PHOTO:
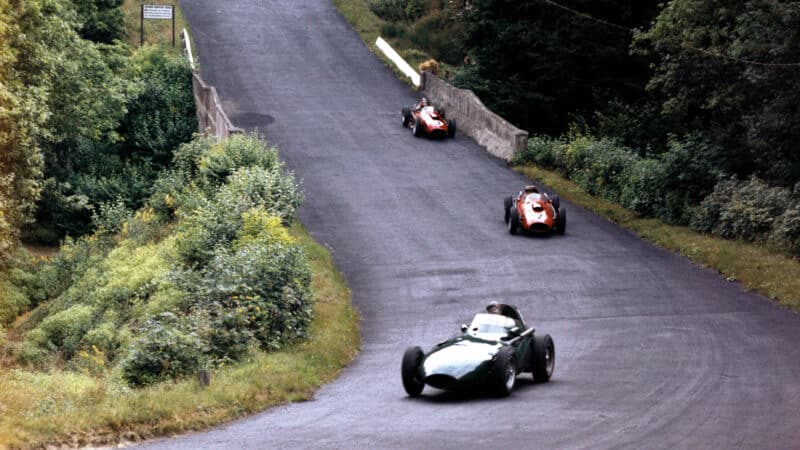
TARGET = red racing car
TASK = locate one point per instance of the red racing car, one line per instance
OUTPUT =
(425, 119)
(535, 212)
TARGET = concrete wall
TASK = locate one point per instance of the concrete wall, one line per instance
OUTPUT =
(500, 138)
(210, 116)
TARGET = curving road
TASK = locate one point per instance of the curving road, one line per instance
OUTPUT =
(652, 351)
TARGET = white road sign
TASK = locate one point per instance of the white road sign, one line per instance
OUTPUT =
(157, 11)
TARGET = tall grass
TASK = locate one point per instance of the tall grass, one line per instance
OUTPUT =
(770, 273)
(76, 409)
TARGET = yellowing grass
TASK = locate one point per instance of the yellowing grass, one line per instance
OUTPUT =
(76, 409)
(770, 273)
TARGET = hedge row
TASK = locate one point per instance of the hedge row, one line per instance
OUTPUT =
(681, 185)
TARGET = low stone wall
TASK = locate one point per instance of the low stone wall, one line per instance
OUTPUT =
(210, 116)
(501, 138)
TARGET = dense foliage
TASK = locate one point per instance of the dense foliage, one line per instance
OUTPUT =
(720, 71)
(204, 272)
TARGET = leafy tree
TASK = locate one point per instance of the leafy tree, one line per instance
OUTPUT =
(728, 69)
(101, 20)
(161, 112)
(22, 115)
(539, 65)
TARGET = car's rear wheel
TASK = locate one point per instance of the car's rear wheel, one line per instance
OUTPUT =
(513, 221)
(406, 116)
(507, 202)
(504, 371)
(412, 379)
(562, 221)
(544, 358)
(418, 129)
(451, 128)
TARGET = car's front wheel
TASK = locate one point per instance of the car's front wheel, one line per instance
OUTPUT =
(412, 378)
(513, 221)
(562, 221)
(418, 129)
(544, 358)
(507, 202)
(504, 371)
(451, 128)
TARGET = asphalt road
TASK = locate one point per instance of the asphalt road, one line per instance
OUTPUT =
(652, 352)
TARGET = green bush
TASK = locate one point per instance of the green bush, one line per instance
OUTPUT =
(162, 350)
(221, 160)
(786, 230)
(12, 300)
(217, 222)
(109, 217)
(266, 286)
(749, 210)
(390, 10)
(33, 350)
(64, 330)
(391, 30)
(439, 36)
(103, 337)
(161, 114)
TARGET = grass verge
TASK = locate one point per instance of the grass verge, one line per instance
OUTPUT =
(772, 274)
(78, 410)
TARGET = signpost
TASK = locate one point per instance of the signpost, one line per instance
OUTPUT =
(160, 12)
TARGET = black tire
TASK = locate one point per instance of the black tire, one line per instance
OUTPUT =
(451, 128)
(556, 202)
(544, 358)
(513, 221)
(441, 112)
(504, 372)
(507, 202)
(406, 116)
(562, 221)
(412, 382)
(418, 129)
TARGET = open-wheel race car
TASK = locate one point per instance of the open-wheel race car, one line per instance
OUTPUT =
(487, 355)
(427, 120)
(534, 212)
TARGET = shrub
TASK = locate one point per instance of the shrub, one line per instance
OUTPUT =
(786, 230)
(217, 222)
(267, 285)
(391, 10)
(64, 330)
(102, 337)
(162, 350)
(12, 300)
(543, 151)
(391, 30)
(707, 214)
(161, 114)
(745, 210)
(33, 350)
(188, 156)
(109, 217)
(223, 159)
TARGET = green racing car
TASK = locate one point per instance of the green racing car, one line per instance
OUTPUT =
(489, 353)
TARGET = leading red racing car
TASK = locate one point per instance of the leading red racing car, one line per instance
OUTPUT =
(425, 119)
(535, 212)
